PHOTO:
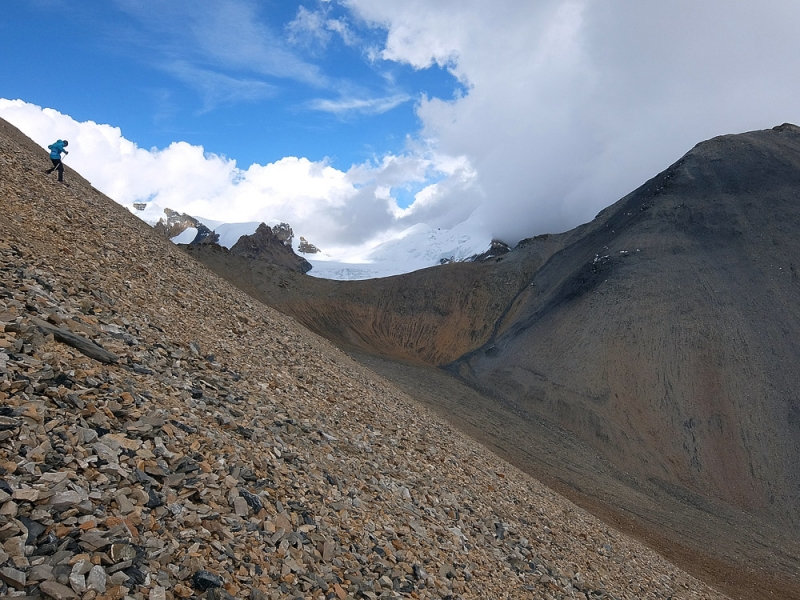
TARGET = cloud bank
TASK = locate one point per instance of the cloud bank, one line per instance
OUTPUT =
(337, 210)
(572, 104)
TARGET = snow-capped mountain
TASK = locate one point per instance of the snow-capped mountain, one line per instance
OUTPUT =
(415, 248)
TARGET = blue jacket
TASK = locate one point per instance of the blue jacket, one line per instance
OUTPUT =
(56, 149)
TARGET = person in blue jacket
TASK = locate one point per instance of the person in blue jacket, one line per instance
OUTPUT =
(55, 155)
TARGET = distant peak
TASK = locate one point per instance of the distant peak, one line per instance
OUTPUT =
(307, 247)
(787, 127)
(273, 244)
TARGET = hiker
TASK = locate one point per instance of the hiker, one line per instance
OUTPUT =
(55, 156)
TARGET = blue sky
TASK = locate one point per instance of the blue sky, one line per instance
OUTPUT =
(180, 77)
(354, 120)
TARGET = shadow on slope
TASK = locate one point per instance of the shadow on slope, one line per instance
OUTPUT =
(666, 337)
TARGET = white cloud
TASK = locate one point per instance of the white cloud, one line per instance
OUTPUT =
(332, 208)
(218, 89)
(567, 105)
(315, 28)
(308, 28)
(367, 106)
(343, 29)
(571, 104)
(218, 35)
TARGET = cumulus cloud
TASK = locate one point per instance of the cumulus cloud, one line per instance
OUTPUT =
(335, 209)
(571, 104)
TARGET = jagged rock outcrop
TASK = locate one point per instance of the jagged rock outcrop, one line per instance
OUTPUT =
(176, 223)
(272, 245)
(229, 452)
(307, 247)
(496, 248)
(284, 233)
(205, 236)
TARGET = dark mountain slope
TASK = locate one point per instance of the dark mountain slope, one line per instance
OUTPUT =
(265, 245)
(667, 335)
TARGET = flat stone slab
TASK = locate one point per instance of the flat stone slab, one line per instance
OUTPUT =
(80, 343)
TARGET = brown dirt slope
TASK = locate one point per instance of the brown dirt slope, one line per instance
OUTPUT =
(433, 316)
(220, 450)
(744, 555)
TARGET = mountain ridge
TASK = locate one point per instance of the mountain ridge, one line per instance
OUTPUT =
(273, 245)
(710, 209)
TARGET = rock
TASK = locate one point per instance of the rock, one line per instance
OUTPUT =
(154, 500)
(13, 577)
(78, 342)
(124, 504)
(77, 582)
(252, 500)
(42, 572)
(93, 540)
(256, 594)
(15, 546)
(306, 247)
(26, 495)
(122, 552)
(9, 424)
(57, 591)
(328, 548)
(218, 594)
(35, 529)
(203, 580)
(240, 507)
(157, 592)
(68, 499)
(271, 245)
(96, 579)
